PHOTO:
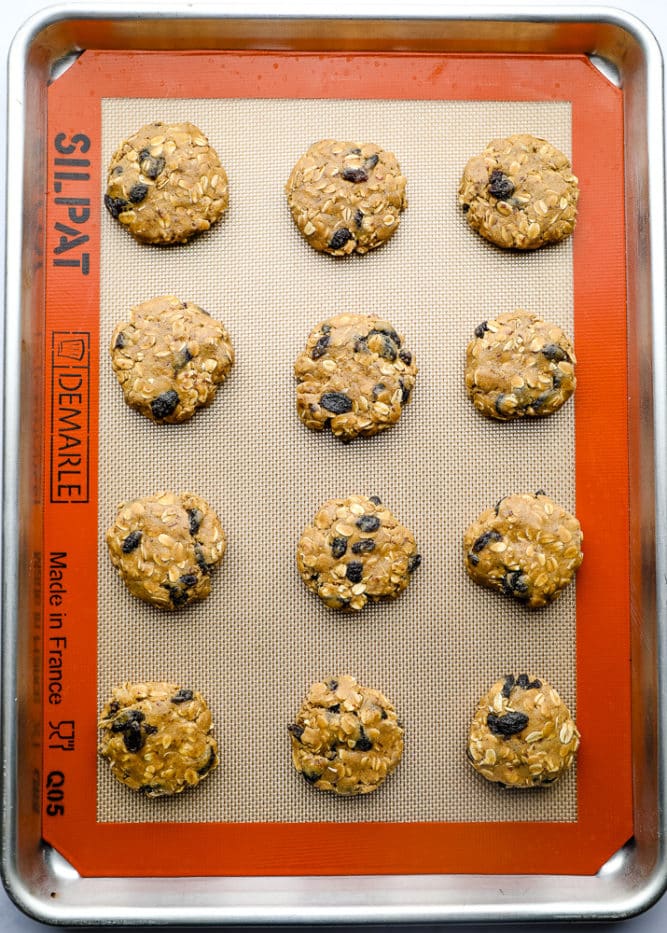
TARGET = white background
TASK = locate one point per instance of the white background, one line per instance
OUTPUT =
(654, 15)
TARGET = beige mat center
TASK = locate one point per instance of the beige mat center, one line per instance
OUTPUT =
(257, 643)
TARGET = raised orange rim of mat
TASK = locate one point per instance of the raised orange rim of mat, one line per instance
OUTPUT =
(70, 477)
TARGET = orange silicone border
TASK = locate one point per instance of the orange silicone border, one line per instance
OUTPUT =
(603, 675)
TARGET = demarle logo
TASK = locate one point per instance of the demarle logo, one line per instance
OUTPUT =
(70, 416)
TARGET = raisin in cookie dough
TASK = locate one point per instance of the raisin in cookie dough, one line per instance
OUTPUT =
(346, 738)
(517, 365)
(354, 376)
(165, 183)
(346, 197)
(165, 546)
(522, 734)
(520, 192)
(157, 737)
(170, 358)
(527, 547)
(355, 551)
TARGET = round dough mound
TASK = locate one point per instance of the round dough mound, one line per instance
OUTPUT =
(346, 197)
(522, 734)
(520, 192)
(527, 547)
(345, 738)
(356, 551)
(518, 366)
(166, 183)
(170, 358)
(164, 547)
(157, 737)
(354, 376)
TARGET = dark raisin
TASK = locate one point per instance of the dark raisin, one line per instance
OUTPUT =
(165, 404)
(320, 347)
(201, 560)
(540, 492)
(182, 359)
(368, 523)
(481, 329)
(414, 562)
(120, 341)
(355, 175)
(363, 546)
(383, 713)
(525, 683)
(114, 706)
(356, 151)
(371, 162)
(386, 332)
(514, 584)
(507, 686)
(355, 571)
(115, 206)
(126, 718)
(188, 579)
(485, 540)
(334, 709)
(555, 353)
(500, 401)
(358, 218)
(376, 500)
(133, 737)
(340, 238)
(360, 345)
(473, 559)
(151, 166)
(178, 597)
(405, 357)
(195, 517)
(138, 192)
(296, 730)
(542, 399)
(337, 402)
(333, 685)
(388, 350)
(326, 328)
(205, 768)
(507, 725)
(465, 208)
(500, 186)
(149, 729)
(183, 696)
(378, 389)
(311, 778)
(405, 392)
(338, 547)
(131, 542)
(363, 743)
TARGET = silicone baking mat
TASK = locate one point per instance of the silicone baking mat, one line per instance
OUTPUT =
(261, 638)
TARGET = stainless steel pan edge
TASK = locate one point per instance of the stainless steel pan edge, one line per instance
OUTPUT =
(36, 877)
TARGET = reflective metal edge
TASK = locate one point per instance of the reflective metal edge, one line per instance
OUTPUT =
(635, 876)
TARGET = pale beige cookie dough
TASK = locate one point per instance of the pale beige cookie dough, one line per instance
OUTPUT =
(165, 546)
(520, 192)
(346, 197)
(517, 365)
(522, 734)
(345, 738)
(355, 551)
(165, 183)
(170, 358)
(354, 376)
(527, 547)
(157, 737)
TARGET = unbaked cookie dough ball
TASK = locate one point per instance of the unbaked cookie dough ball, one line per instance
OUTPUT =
(346, 197)
(346, 738)
(518, 365)
(520, 192)
(522, 734)
(165, 183)
(165, 546)
(354, 376)
(170, 358)
(526, 546)
(157, 737)
(356, 550)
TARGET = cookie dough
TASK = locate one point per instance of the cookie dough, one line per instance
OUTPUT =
(170, 358)
(527, 547)
(522, 734)
(345, 738)
(518, 365)
(157, 737)
(520, 192)
(165, 546)
(346, 197)
(165, 183)
(354, 376)
(356, 551)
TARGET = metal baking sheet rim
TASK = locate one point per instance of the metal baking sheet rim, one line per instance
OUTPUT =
(36, 877)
